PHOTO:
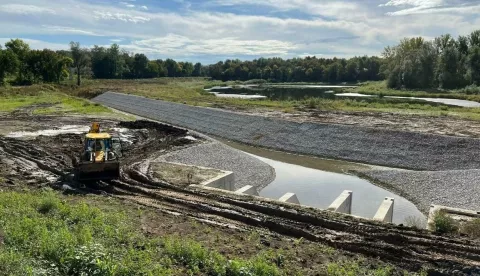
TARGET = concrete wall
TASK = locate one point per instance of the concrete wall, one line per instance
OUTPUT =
(455, 213)
(343, 203)
(290, 198)
(224, 181)
(385, 211)
(247, 190)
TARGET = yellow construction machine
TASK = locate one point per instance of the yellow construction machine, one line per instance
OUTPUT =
(100, 156)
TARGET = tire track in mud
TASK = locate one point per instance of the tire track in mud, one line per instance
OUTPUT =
(401, 246)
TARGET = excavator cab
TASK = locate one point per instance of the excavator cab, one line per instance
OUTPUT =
(99, 159)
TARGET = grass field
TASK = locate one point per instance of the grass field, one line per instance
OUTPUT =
(46, 99)
(45, 233)
(380, 88)
(191, 91)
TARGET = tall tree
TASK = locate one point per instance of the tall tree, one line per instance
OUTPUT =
(8, 64)
(80, 58)
(21, 50)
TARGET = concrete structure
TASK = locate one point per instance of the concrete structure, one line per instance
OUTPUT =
(385, 211)
(457, 214)
(247, 190)
(290, 198)
(343, 203)
(224, 181)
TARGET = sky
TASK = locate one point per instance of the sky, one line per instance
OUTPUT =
(211, 30)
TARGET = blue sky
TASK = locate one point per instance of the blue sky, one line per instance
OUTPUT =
(212, 30)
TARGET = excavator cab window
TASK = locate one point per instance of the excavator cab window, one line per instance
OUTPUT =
(94, 145)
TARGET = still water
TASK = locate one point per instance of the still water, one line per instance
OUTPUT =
(279, 92)
(299, 92)
(318, 182)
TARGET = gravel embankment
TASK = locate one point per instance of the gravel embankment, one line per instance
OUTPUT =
(458, 188)
(247, 169)
(374, 146)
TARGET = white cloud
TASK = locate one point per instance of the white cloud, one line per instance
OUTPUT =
(176, 44)
(105, 15)
(341, 28)
(24, 9)
(62, 29)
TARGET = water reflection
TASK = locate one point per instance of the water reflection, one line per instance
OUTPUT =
(318, 182)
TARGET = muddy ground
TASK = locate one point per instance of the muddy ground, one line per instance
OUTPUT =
(47, 161)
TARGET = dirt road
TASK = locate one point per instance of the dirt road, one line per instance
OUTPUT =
(403, 247)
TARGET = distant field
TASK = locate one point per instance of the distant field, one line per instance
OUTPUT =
(191, 91)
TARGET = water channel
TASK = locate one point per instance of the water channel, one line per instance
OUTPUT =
(298, 92)
(318, 182)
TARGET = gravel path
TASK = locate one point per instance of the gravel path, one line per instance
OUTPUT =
(374, 146)
(458, 188)
(247, 169)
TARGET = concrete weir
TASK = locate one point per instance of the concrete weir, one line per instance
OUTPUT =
(385, 211)
(343, 203)
(247, 190)
(290, 198)
(224, 181)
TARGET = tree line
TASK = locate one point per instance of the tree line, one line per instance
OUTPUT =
(445, 62)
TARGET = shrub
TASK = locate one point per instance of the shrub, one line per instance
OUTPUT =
(471, 89)
(444, 224)
(48, 204)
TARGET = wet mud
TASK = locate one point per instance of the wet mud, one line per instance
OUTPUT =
(52, 158)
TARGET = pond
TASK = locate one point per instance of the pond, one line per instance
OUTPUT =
(279, 92)
(300, 92)
(318, 182)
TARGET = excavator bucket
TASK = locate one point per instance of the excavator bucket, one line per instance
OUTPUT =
(97, 171)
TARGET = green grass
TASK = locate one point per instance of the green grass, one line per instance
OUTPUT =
(379, 88)
(191, 91)
(44, 234)
(46, 99)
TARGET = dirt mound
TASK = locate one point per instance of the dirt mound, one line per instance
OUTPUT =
(163, 128)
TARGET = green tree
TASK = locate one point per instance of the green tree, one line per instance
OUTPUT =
(80, 58)
(140, 65)
(8, 64)
(21, 50)
(197, 70)
(473, 65)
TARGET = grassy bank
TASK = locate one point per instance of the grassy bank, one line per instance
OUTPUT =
(44, 233)
(46, 99)
(380, 88)
(191, 91)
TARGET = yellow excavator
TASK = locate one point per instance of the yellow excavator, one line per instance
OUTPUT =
(100, 156)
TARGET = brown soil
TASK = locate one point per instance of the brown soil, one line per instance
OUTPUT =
(393, 121)
(398, 246)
